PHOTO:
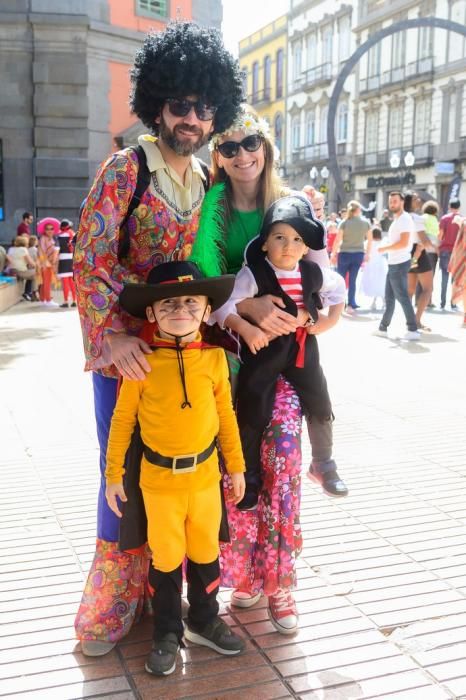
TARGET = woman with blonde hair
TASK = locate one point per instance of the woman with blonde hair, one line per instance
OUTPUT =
(349, 247)
(23, 266)
(266, 540)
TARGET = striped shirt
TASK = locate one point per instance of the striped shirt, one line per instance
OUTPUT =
(290, 282)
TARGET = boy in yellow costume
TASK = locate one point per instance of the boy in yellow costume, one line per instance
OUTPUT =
(182, 406)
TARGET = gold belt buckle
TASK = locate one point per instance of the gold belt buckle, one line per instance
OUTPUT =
(184, 470)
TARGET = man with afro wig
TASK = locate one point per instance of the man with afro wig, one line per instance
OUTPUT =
(142, 210)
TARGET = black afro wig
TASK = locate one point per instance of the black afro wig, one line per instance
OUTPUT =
(185, 59)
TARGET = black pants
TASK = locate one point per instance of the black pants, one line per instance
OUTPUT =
(203, 584)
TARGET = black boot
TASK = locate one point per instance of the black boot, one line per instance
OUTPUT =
(168, 627)
(204, 626)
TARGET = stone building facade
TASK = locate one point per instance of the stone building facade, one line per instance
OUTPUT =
(65, 83)
(410, 103)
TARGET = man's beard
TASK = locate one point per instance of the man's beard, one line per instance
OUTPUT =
(182, 147)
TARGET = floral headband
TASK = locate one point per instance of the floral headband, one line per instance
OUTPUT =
(246, 122)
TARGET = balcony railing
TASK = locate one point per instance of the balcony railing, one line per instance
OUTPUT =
(313, 77)
(260, 96)
(380, 160)
(312, 152)
(412, 71)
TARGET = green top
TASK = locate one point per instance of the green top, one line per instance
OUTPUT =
(244, 226)
(432, 227)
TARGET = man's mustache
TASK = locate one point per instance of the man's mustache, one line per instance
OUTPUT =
(187, 127)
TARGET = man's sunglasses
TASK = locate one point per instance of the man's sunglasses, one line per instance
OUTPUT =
(230, 149)
(181, 108)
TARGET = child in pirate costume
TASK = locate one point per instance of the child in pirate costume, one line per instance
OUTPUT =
(182, 406)
(275, 265)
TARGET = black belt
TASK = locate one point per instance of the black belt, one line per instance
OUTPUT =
(180, 463)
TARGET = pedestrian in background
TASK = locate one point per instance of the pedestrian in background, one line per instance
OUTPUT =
(449, 227)
(34, 253)
(22, 265)
(47, 257)
(385, 221)
(420, 272)
(374, 271)
(457, 269)
(24, 228)
(430, 211)
(352, 234)
(65, 262)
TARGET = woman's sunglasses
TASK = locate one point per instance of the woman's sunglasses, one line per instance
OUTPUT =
(230, 149)
(181, 108)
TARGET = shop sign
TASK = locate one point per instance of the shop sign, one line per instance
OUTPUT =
(393, 181)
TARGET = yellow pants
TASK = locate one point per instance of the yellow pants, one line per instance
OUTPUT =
(183, 523)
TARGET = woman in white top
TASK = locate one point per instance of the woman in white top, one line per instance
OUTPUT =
(422, 271)
(21, 264)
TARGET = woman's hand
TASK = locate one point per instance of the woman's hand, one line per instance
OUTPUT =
(127, 353)
(267, 312)
(238, 487)
(111, 492)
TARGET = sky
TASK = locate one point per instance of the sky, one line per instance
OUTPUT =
(243, 17)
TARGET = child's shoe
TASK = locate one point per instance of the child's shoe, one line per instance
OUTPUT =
(331, 483)
(218, 636)
(249, 500)
(162, 659)
(244, 599)
(283, 613)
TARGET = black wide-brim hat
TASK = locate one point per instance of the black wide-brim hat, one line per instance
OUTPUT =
(296, 211)
(175, 279)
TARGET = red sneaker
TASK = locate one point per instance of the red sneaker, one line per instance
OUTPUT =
(283, 613)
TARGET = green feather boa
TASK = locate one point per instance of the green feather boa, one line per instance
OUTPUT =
(208, 251)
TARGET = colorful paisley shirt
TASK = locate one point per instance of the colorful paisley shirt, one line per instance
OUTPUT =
(161, 228)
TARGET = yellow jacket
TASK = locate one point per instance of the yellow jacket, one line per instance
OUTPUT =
(170, 430)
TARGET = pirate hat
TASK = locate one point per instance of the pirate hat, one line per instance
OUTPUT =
(296, 211)
(175, 279)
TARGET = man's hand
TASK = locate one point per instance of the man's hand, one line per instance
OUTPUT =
(111, 492)
(238, 486)
(267, 312)
(255, 338)
(127, 353)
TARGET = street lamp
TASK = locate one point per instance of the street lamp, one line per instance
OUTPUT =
(324, 173)
(395, 160)
(313, 172)
(409, 159)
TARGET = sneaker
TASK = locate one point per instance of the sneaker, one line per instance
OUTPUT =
(64, 306)
(454, 307)
(331, 483)
(283, 613)
(26, 296)
(218, 636)
(51, 303)
(381, 333)
(94, 647)
(412, 335)
(244, 599)
(162, 659)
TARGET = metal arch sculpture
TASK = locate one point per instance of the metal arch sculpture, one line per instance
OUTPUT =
(435, 22)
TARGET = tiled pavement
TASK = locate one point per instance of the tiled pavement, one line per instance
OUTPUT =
(382, 578)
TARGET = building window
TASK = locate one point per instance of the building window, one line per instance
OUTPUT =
(296, 133)
(310, 129)
(425, 42)
(279, 76)
(311, 51)
(255, 81)
(278, 132)
(344, 38)
(245, 82)
(395, 126)
(327, 45)
(398, 50)
(451, 114)
(342, 123)
(152, 8)
(373, 67)
(267, 76)
(422, 121)
(323, 124)
(455, 42)
(371, 132)
(297, 60)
